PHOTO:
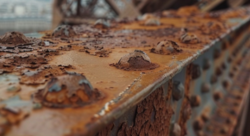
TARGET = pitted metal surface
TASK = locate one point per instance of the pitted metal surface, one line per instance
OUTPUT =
(102, 54)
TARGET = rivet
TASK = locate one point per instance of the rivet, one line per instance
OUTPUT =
(217, 53)
(195, 101)
(175, 130)
(196, 71)
(231, 74)
(218, 71)
(229, 59)
(217, 95)
(213, 79)
(206, 64)
(223, 66)
(205, 87)
(178, 90)
(198, 124)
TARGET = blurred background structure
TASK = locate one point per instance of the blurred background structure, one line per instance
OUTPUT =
(38, 15)
(25, 16)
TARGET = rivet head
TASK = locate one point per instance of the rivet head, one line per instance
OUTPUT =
(178, 90)
(231, 74)
(136, 60)
(217, 95)
(225, 83)
(152, 22)
(223, 66)
(198, 124)
(217, 53)
(102, 23)
(229, 59)
(189, 38)
(175, 130)
(195, 101)
(166, 47)
(218, 71)
(206, 64)
(70, 90)
(213, 79)
(205, 87)
(205, 117)
(196, 71)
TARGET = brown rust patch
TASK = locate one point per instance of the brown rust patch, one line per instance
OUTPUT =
(166, 47)
(70, 90)
(137, 60)
(14, 38)
(152, 117)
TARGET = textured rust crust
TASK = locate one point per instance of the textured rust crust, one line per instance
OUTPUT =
(13, 38)
(152, 118)
(69, 90)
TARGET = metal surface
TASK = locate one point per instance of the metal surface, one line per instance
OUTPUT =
(125, 77)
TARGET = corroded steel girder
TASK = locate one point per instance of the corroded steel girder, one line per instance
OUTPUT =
(180, 72)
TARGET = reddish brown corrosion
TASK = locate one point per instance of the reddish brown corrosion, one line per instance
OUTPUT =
(137, 60)
(51, 58)
(151, 116)
(166, 47)
(70, 90)
(13, 38)
(64, 31)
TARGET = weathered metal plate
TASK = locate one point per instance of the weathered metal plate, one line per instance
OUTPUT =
(89, 50)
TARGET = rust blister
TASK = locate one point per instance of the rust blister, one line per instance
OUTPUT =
(178, 90)
(152, 22)
(14, 38)
(166, 47)
(69, 90)
(137, 60)
(195, 101)
(175, 129)
(100, 23)
(64, 31)
(189, 38)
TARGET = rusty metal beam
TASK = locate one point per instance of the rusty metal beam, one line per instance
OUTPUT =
(176, 72)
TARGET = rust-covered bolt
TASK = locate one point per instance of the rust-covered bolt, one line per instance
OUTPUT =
(152, 22)
(229, 59)
(100, 23)
(235, 68)
(178, 90)
(175, 130)
(218, 71)
(224, 129)
(196, 71)
(195, 101)
(136, 60)
(205, 87)
(239, 62)
(213, 79)
(231, 74)
(206, 64)
(217, 95)
(14, 38)
(217, 53)
(205, 117)
(225, 83)
(189, 38)
(223, 66)
(64, 31)
(166, 47)
(198, 124)
(70, 90)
